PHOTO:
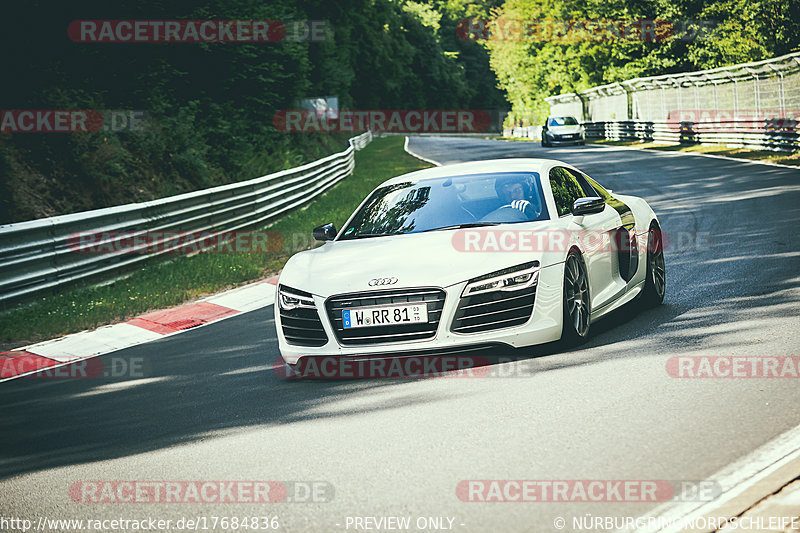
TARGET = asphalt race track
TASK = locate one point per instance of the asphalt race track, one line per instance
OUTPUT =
(211, 408)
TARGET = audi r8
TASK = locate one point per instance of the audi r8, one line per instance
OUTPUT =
(501, 253)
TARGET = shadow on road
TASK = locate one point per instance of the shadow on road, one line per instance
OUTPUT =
(223, 377)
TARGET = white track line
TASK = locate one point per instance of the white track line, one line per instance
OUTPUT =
(247, 298)
(733, 480)
(92, 343)
(413, 154)
(107, 339)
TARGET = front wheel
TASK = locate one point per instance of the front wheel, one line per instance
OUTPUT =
(655, 282)
(576, 314)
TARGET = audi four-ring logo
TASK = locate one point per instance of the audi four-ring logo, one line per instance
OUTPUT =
(382, 281)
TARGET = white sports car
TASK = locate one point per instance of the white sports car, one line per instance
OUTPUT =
(489, 254)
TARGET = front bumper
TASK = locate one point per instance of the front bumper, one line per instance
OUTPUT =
(556, 142)
(543, 326)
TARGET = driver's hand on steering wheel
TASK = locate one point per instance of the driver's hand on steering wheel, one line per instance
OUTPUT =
(525, 206)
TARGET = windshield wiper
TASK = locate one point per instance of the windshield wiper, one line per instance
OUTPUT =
(466, 225)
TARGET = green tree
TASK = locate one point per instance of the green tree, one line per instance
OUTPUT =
(707, 34)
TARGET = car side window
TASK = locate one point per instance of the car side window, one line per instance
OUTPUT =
(566, 190)
(600, 189)
(587, 188)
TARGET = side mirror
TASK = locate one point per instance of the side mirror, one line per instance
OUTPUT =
(326, 232)
(588, 205)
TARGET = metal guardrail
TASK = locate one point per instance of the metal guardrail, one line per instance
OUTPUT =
(39, 255)
(767, 135)
(524, 132)
(763, 90)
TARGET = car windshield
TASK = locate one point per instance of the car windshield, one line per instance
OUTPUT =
(448, 203)
(562, 121)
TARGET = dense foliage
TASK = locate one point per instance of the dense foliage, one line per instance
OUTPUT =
(701, 34)
(210, 105)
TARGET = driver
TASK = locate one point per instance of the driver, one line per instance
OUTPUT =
(513, 193)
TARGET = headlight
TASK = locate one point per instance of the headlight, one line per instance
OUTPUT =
(289, 300)
(508, 279)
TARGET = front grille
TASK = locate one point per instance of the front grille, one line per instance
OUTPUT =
(494, 310)
(302, 326)
(434, 298)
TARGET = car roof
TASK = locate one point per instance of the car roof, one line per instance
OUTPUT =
(490, 166)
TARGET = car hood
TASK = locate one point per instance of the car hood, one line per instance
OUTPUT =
(564, 130)
(417, 260)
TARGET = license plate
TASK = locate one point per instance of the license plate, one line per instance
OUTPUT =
(384, 316)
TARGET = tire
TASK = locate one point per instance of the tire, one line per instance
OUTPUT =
(544, 144)
(655, 281)
(576, 317)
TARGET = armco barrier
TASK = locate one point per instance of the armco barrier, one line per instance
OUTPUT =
(524, 132)
(35, 256)
(779, 135)
(755, 105)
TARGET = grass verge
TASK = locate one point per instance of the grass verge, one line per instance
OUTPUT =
(186, 278)
(768, 156)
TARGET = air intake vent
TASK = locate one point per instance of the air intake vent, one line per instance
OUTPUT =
(494, 310)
